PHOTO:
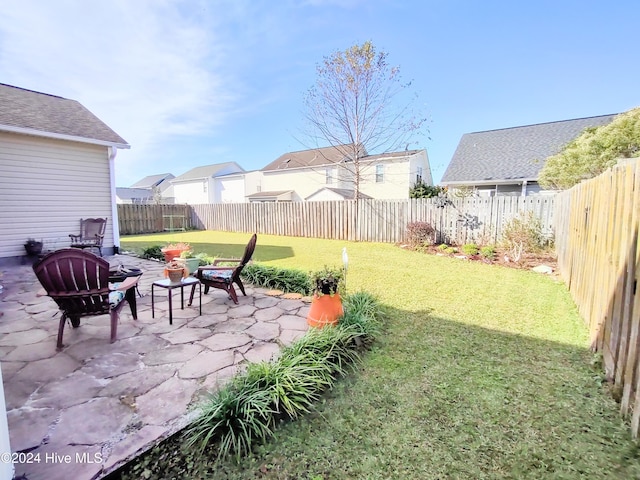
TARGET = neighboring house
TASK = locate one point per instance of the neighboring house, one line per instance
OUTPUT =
(210, 184)
(324, 173)
(152, 181)
(151, 189)
(508, 161)
(57, 163)
(134, 195)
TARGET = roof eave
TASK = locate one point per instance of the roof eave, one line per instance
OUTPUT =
(62, 136)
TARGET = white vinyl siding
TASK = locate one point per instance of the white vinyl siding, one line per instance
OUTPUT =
(46, 186)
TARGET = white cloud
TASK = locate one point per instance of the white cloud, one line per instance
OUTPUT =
(149, 69)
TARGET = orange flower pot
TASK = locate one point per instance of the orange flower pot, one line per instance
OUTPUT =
(325, 310)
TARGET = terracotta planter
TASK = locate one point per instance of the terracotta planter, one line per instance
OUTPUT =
(175, 275)
(325, 310)
(170, 254)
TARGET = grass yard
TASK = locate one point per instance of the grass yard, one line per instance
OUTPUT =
(483, 372)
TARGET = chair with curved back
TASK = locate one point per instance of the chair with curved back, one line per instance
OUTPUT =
(91, 234)
(224, 277)
(78, 282)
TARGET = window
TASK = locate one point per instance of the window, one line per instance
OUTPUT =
(379, 173)
(419, 175)
(329, 176)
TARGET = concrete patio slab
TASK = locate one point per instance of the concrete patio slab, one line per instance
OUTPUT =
(88, 409)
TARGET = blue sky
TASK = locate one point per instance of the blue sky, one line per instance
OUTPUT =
(191, 83)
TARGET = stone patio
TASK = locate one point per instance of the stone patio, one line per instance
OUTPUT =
(83, 412)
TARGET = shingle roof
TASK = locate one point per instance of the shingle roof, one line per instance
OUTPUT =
(345, 193)
(127, 193)
(513, 153)
(207, 171)
(273, 193)
(26, 111)
(151, 181)
(309, 158)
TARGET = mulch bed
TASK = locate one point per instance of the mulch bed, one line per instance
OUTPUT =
(502, 257)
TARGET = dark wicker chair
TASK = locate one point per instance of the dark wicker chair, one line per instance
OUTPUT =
(78, 282)
(224, 277)
(91, 234)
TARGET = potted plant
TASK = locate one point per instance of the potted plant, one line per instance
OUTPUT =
(175, 272)
(326, 304)
(174, 250)
(189, 260)
(33, 247)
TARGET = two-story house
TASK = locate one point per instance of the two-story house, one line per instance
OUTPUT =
(327, 174)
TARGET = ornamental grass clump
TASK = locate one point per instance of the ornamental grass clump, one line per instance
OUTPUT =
(248, 408)
(285, 279)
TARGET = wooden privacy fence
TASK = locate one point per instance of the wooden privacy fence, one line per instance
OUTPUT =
(140, 219)
(456, 221)
(599, 259)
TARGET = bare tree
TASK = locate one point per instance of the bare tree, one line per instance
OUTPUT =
(356, 107)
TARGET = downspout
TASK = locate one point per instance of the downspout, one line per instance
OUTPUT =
(114, 206)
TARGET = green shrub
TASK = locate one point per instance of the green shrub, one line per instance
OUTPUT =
(522, 234)
(153, 252)
(419, 234)
(287, 280)
(204, 259)
(450, 250)
(442, 247)
(488, 252)
(470, 249)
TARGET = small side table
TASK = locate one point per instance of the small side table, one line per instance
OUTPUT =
(166, 283)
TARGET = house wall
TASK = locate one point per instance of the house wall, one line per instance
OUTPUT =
(395, 184)
(420, 159)
(252, 183)
(192, 192)
(229, 190)
(502, 190)
(324, 195)
(303, 181)
(46, 186)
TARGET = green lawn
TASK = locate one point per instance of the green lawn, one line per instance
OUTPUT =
(483, 372)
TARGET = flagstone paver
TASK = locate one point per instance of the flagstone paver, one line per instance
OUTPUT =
(172, 354)
(226, 341)
(102, 403)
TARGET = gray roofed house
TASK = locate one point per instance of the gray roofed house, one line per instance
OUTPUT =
(210, 184)
(507, 161)
(208, 171)
(151, 181)
(57, 161)
(134, 195)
